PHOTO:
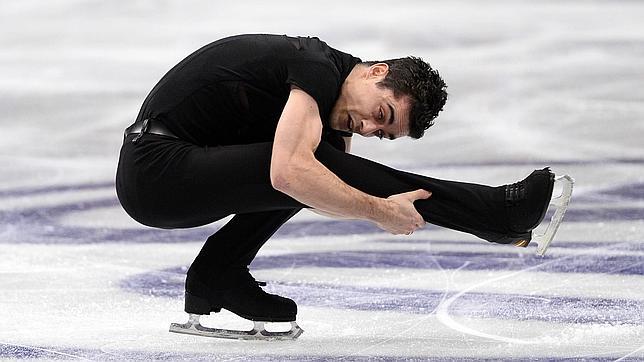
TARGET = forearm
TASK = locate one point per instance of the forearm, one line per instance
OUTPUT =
(312, 184)
(328, 214)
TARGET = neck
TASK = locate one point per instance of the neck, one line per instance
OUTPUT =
(356, 73)
(354, 76)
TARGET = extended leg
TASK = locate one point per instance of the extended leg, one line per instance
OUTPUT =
(182, 185)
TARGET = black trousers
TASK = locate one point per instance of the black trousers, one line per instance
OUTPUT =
(169, 183)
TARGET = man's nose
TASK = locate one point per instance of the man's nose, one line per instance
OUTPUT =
(367, 127)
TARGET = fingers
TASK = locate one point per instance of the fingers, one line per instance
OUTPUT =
(405, 218)
(417, 225)
(404, 231)
(419, 194)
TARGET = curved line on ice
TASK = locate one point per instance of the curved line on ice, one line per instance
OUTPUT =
(44, 350)
(442, 311)
(641, 348)
(448, 280)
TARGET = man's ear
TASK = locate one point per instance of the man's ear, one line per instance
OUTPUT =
(378, 70)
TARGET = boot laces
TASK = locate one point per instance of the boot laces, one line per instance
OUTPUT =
(514, 193)
(250, 280)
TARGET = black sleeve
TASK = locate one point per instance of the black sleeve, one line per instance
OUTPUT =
(319, 79)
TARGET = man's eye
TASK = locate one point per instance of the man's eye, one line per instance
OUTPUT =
(381, 115)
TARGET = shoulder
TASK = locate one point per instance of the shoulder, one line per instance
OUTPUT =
(318, 69)
(317, 49)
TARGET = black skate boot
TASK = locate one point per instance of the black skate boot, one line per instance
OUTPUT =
(236, 291)
(526, 204)
(240, 294)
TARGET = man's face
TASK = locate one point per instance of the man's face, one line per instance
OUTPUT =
(369, 110)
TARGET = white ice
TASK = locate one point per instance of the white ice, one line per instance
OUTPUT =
(531, 85)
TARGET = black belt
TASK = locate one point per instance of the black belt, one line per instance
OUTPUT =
(148, 125)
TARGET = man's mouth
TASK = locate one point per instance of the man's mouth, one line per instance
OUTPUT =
(350, 124)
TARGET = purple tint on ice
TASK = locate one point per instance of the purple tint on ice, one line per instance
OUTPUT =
(170, 283)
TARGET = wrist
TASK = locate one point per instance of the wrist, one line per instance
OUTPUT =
(379, 209)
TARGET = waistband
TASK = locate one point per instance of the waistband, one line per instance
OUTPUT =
(148, 125)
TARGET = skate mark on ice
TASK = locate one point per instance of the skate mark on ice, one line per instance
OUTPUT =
(416, 322)
(21, 351)
(444, 316)
(624, 358)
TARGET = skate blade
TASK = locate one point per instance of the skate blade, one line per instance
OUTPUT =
(258, 332)
(561, 204)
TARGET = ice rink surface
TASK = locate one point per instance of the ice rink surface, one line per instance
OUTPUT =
(558, 83)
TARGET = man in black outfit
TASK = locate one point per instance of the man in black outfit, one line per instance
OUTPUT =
(260, 126)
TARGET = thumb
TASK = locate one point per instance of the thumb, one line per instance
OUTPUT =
(420, 194)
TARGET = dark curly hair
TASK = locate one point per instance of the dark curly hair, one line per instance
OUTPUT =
(413, 77)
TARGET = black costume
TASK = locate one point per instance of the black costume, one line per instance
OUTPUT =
(219, 108)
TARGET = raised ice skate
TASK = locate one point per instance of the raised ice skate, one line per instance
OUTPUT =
(529, 201)
(560, 203)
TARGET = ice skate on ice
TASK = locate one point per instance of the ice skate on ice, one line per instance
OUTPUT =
(246, 299)
(258, 332)
(528, 202)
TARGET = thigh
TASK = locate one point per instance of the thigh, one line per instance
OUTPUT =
(170, 183)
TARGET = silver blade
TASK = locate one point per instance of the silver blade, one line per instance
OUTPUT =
(561, 203)
(257, 333)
